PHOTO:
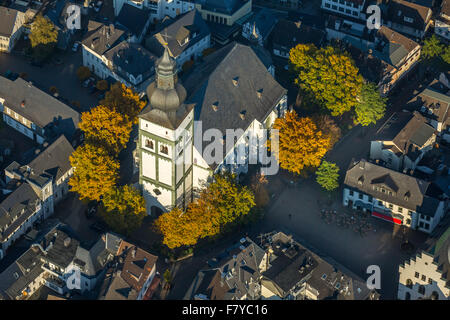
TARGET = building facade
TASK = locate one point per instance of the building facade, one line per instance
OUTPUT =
(350, 8)
(11, 28)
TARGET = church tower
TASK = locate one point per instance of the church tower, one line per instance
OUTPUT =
(166, 127)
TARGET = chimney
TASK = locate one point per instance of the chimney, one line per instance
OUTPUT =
(67, 242)
(23, 104)
(133, 252)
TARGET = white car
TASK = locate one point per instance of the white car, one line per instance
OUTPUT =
(75, 47)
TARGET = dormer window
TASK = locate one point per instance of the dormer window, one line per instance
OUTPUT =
(259, 93)
(236, 81)
(215, 106)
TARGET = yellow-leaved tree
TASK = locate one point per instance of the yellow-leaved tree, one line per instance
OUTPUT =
(301, 144)
(95, 172)
(106, 127)
(124, 209)
(327, 75)
(123, 100)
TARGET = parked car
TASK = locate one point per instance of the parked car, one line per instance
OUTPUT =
(11, 75)
(86, 83)
(91, 210)
(75, 46)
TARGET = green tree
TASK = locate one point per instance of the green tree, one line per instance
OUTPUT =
(371, 106)
(95, 172)
(432, 47)
(328, 175)
(327, 75)
(446, 55)
(125, 209)
(43, 37)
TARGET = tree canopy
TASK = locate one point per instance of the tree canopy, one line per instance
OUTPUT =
(83, 73)
(106, 127)
(218, 206)
(432, 47)
(371, 106)
(328, 175)
(301, 143)
(43, 37)
(124, 101)
(95, 172)
(328, 75)
(125, 209)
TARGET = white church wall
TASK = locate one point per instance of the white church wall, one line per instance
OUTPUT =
(148, 165)
(165, 171)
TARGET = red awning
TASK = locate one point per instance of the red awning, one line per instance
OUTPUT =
(386, 217)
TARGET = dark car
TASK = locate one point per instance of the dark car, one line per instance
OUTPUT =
(99, 227)
(91, 209)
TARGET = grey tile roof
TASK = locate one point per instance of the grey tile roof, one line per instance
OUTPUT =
(264, 20)
(39, 107)
(8, 18)
(132, 59)
(436, 102)
(408, 131)
(392, 47)
(407, 191)
(16, 208)
(133, 18)
(288, 34)
(100, 38)
(227, 7)
(213, 82)
(175, 32)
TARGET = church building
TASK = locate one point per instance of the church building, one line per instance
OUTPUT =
(232, 89)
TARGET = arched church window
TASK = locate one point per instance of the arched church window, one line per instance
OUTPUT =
(164, 149)
(149, 143)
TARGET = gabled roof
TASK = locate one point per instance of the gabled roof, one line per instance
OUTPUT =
(264, 20)
(228, 7)
(230, 79)
(288, 34)
(39, 107)
(8, 19)
(408, 131)
(406, 191)
(132, 59)
(174, 34)
(399, 9)
(392, 47)
(100, 38)
(133, 18)
(435, 102)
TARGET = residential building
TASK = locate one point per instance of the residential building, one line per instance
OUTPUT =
(442, 23)
(33, 190)
(135, 21)
(224, 18)
(409, 18)
(158, 8)
(287, 34)
(235, 278)
(394, 196)
(349, 8)
(388, 55)
(34, 113)
(11, 27)
(426, 275)
(185, 37)
(58, 14)
(171, 168)
(434, 105)
(402, 141)
(259, 26)
(294, 272)
(131, 276)
(107, 53)
(55, 261)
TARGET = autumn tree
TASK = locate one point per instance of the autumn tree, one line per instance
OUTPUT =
(432, 47)
(95, 172)
(328, 75)
(124, 209)
(258, 186)
(328, 175)
(83, 73)
(301, 144)
(328, 126)
(106, 127)
(102, 85)
(371, 106)
(43, 37)
(218, 206)
(124, 101)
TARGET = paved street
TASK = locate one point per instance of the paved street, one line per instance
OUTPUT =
(62, 76)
